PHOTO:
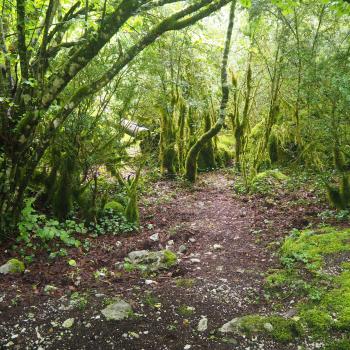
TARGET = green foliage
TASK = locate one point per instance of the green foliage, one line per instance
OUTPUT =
(112, 222)
(34, 226)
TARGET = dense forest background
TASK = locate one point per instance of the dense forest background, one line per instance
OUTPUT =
(74, 74)
(174, 152)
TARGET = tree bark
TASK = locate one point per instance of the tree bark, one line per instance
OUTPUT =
(191, 160)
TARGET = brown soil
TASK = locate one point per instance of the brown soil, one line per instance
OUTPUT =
(219, 283)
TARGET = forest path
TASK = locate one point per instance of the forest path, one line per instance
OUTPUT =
(229, 241)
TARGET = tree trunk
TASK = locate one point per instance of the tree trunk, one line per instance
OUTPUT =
(191, 160)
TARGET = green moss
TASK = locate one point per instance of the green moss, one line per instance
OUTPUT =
(344, 319)
(345, 265)
(278, 278)
(267, 181)
(17, 266)
(330, 311)
(226, 141)
(275, 173)
(115, 206)
(343, 344)
(281, 329)
(170, 258)
(185, 282)
(284, 330)
(309, 247)
(251, 324)
(316, 320)
(185, 310)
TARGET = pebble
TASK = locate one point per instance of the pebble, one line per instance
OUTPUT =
(154, 237)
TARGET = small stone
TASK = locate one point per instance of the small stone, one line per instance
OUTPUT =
(290, 313)
(195, 260)
(268, 326)
(148, 282)
(100, 295)
(217, 247)
(154, 237)
(230, 326)
(187, 347)
(68, 323)
(192, 240)
(49, 288)
(138, 254)
(182, 249)
(203, 324)
(117, 311)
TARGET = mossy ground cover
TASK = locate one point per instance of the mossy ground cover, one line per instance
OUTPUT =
(323, 310)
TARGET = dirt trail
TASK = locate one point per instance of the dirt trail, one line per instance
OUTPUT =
(220, 276)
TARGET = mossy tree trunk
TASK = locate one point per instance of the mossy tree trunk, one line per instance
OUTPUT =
(168, 154)
(241, 124)
(181, 141)
(191, 160)
(206, 157)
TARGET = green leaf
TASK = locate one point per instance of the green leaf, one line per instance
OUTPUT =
(72, 262)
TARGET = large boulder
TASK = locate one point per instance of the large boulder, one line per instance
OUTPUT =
(12, 266)
(117, 311)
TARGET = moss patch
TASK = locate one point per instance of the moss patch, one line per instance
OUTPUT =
(170, 258)
(323, 310)
(309, 246)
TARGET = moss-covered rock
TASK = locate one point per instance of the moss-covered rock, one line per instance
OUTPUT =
(115, 206)
(266, 181)
(12, 266)
(147, 261)
(277, 327)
